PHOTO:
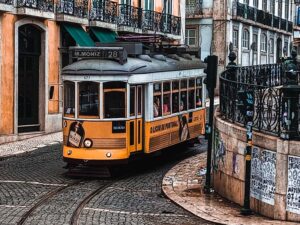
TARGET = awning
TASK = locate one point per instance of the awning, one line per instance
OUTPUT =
(104, 36)
(79, 35)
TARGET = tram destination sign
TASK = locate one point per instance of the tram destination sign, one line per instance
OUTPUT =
(116, 53)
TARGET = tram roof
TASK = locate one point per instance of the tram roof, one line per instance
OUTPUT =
(132, 66)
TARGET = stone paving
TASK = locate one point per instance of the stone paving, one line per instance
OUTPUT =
(31, 144)
(136, 199)
(184, 183)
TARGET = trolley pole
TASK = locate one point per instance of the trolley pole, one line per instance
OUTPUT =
(211, 72)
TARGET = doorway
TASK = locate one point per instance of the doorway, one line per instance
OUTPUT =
(28, 78)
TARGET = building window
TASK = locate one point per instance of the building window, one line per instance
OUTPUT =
(255, 40)
(272, 7)
(279, 8)
(255, 3)
(245, 39)
(265, 5)
(246, 2)
(271, 46)
(235, 38)
(263, 42)
(286, 9)
(191, 37)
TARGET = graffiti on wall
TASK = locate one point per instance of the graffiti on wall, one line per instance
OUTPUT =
(263, 174)
(293, 189)
(219, 151)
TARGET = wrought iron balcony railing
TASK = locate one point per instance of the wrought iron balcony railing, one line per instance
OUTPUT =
(159, 22)
(262, 17)
(78, 8)
(8, 2)
(43, 5)
(105, 11)
(192, 10)
(130, 16)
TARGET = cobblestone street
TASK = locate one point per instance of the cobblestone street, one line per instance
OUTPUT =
(34, 190)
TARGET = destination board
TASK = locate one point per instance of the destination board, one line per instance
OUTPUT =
(117, 53)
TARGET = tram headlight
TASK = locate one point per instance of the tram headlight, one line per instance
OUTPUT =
(88, 143)
(69, 152)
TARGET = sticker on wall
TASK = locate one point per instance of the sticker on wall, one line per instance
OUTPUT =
(293, 189)
(263, 174)
(219, 151)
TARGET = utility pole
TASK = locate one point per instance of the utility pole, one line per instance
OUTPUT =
(210, 81)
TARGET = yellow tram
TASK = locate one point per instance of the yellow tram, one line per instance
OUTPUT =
(116, 106)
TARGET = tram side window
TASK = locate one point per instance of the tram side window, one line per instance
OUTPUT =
(69, 98)
(88, 99)
(183, 95)
(157, 99)
(166, 98)
(175, 96)
(199, 102)
(191, 95)
(114, 100)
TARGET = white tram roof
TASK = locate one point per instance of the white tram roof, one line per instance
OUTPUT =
(135, 70)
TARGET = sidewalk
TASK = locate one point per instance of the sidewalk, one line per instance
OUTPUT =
(183, 184)
(28, 145)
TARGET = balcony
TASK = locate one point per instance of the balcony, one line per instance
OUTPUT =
(155, 22)
(193, 10)
(129, 18)
(37, 8)
(73, 11)
(6, 5)
(104, 14)
(254, 15)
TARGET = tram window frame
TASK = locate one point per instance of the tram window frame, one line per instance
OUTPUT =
(166, 95)
(69, 109)
(157, 96)
(132, 101)
(175, 93)
(114, 89)
(191, 92)
(139, 100)
(183, 105)
(96, 100)
(199, 92)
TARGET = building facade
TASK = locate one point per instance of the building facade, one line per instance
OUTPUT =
(258, 31)
(34, 40)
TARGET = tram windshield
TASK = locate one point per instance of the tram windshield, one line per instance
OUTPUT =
(114, 100)
(89, 99)
(69, 98)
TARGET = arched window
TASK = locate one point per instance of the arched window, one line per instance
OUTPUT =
(263, 42)
(245, 39)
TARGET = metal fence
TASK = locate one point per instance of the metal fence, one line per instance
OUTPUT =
(276, 98)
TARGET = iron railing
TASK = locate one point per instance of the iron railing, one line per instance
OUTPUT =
(259, 16)
(105, 11)
(192, 10)
(160, 22)
(130, 16)
(78, 8)
(8, 2)
(43, 5)
(272, 101)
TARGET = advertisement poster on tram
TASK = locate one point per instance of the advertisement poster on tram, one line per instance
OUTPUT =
(293, 189)
(263, 174)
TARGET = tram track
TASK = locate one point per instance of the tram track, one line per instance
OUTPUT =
(86, 200)
(43, 200)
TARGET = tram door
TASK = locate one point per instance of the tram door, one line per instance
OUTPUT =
(136, 118)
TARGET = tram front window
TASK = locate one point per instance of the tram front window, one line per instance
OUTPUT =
(69, 98)
(88, 99)
(114, 100)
